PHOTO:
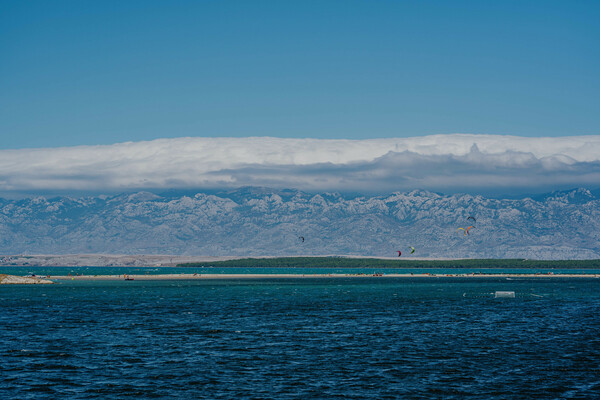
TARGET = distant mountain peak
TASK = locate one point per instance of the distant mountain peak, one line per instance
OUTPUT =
(260, 221)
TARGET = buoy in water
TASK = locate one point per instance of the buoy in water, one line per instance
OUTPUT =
(504, 295)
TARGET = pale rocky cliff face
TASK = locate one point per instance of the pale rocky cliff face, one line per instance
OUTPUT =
(257, 222)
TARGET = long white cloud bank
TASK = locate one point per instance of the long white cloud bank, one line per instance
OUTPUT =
(446, 163)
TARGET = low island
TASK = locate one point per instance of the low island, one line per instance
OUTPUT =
(22, 280)
(312, 268)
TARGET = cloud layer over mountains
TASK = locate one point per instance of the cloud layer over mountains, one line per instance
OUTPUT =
(448, 163)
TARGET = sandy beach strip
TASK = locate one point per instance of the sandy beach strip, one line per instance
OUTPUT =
(168, 277)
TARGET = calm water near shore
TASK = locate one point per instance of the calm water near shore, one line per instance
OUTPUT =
(307, 271)
(331, 338)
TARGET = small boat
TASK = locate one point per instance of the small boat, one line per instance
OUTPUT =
(128, 278)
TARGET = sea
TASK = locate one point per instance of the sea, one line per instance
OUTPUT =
(328, 338)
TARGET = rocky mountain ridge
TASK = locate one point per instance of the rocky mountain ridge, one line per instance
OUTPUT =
(258, 221)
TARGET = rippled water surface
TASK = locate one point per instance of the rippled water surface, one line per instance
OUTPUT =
(295, 338)
(42, 271)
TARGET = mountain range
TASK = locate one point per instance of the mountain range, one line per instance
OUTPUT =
(255, 221)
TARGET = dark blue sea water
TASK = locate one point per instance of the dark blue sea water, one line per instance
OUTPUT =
(302, 339)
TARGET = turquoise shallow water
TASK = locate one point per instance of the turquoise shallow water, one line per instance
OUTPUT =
(300, 271)
(332, 338)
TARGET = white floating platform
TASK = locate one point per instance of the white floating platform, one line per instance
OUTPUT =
(504, 295)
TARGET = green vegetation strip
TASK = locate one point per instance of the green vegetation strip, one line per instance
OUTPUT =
(341, 262)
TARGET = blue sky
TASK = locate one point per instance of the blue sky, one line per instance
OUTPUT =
(102, 72)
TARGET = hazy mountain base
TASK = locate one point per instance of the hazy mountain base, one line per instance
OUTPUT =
(102, 260)
(259, 222)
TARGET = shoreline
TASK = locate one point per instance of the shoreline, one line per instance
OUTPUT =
(158, 260)
(168, 277)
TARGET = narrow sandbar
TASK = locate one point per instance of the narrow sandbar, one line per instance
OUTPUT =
(167, 277)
